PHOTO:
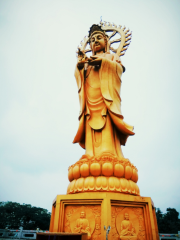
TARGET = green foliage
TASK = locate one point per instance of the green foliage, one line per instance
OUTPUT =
(13, 215)
(168, 222)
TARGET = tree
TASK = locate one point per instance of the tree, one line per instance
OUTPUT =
(168, 222)
(159, 216)
(13, 215)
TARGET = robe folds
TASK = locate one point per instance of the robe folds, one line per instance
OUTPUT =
(110, 73)
(82, 226)
(126, 227)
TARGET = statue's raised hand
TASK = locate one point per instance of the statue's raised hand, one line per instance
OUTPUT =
(94, 60)
(81, 63)
(82, 58)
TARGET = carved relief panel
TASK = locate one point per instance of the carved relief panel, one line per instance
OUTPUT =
(127, 223)
(86, 218)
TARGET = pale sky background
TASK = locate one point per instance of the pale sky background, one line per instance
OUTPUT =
(39, 100)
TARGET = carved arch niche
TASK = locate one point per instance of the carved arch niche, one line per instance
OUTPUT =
(93, 215)
(134, 227)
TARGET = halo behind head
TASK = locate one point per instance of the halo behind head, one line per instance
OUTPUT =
(104, 27)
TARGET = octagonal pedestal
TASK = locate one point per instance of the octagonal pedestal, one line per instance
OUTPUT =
(130, 217)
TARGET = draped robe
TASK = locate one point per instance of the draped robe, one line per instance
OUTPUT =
(127, 230)
(126, 227)
(101, 126)
(82, 226)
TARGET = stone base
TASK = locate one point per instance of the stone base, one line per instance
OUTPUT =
(90, 212)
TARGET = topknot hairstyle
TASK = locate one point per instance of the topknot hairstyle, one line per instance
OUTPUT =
(95, 28)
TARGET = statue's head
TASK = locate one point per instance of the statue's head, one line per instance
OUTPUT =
(126, 216)
(82, 214)
(97, 226)
(97, 39)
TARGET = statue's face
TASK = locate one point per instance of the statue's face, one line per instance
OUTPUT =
(97, 43)
(82, 215)
(126, 216)
(97, 226)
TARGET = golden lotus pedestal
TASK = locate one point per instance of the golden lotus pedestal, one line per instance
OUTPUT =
(130, 217)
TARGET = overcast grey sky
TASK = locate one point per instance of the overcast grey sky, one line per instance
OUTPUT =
(39, 100)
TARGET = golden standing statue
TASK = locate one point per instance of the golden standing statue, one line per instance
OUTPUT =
(102, 129)
(101, 126)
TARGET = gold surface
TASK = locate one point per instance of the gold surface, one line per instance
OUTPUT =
(102, 129)
(106, 209)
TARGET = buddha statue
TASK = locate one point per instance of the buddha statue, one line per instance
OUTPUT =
(82, 225)
(101, 127)
(127, 229)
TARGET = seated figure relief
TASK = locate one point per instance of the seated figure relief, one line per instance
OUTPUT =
(82, 225)
(127, 229)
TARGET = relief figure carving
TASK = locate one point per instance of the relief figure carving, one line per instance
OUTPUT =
(97, 232)
(67, 227)
(82, 225)
(82, 219)
(141, 234)
(127, 229)
(115, 212)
